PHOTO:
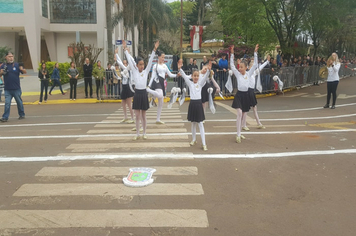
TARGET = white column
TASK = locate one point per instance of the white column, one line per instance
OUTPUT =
(32, 11)
(50, 38)
(101, 32)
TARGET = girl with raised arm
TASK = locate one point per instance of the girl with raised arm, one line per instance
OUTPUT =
(139, 74)
(242, 101)
(251, 93)
(127, 93)
(156, 84)
(195, 110)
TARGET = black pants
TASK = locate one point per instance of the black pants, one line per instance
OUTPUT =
(99, 87)
(332, 86)
(44, 86)
(88, 81)
(73, 87)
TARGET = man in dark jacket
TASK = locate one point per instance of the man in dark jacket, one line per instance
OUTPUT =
(88, 72)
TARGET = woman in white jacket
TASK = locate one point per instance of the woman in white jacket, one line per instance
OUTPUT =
(333, 66)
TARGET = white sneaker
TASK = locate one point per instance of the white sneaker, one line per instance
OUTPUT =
(136, 138)
(39, 103)
(144, 136)
(205, 148)
(261, 127)
(238, 139)
(245, 128)
(130, 122)
(158, 122)
(192, 143)
(74, 99)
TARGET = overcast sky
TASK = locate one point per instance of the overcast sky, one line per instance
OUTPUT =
(171, 0)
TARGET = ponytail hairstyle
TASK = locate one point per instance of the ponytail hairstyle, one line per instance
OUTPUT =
(244, 61)
(159, 53)
(138, 59)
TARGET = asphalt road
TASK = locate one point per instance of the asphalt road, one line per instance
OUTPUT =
(61, 170)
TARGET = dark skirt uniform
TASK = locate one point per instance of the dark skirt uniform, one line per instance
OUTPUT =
(196, 111)
(242, 101)
(126, 92)
(140, 101)
(159, 85)
(252, 96)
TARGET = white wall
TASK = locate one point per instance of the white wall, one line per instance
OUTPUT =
(8, 40)
(63, 40)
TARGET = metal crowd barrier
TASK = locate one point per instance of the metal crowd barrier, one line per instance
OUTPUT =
(290, 76)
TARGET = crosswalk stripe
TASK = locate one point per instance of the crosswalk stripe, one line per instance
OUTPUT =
(144, 144)
(149, 117)
(128, 131)
(125, 155)
(107, 189)
(112, 138)
(168, 126)
(98, 150)
(38, 219)
(110, 171)
(149, 120)
(150, 113)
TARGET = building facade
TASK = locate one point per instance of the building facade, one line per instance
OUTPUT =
(42, 30)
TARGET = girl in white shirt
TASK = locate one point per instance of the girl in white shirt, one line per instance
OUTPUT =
(242, 101)
(156, 84)
(195, 110)
(126, 94)
(139, 74)
(252, 95)
(333, 65)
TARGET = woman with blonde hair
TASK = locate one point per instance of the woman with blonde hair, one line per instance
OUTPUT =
(333, 66)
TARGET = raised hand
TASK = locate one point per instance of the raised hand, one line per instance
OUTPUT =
(268, 57)
(124, 44)
(232, 49)
(116, 51)
(180, 64)
(257, 47)
(156, 45)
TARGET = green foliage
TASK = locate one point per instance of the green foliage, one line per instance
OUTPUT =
(3, 51)
(63, 68)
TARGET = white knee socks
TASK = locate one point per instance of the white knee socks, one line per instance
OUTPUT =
(239, 122)
(202, 133)
(159, 108)
(194, 131)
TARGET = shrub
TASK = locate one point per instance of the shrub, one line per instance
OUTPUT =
(63, 68)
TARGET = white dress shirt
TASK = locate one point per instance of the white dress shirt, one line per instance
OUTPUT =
(195, 88)
(243, 81)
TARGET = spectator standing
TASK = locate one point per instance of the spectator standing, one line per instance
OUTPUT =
(1, 85)
(203, 63)
(109, 80)
(44, 78)
(88, 73)
(11, 71)
(195, 66)
(56, 79)
(99, 75)
(333, 65)
(223, 71)
(73, 76)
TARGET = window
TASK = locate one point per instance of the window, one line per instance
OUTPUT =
(73, 11)
(44, 8)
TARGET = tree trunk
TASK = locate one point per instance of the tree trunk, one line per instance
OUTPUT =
(109, 29)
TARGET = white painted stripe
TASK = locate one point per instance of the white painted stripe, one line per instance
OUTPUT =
(112, 138)
(44, 219)
(130, 145)
(178, 156)
(100, 150)
(128, 131)
(147, 113)
(150, 121)
(305, 109)
(149, 117)
(165, 126)
(112, 171)
(174, 134)
(139, 155)
(107, 189)
(269, 126)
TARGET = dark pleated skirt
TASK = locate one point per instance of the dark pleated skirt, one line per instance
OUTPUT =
(252, 96)
(242, 101)
(159, 85)
(126, 92)
(204, 92)
(140, 101)
(196, 111)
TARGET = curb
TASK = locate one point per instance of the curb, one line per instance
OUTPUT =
(166, 99)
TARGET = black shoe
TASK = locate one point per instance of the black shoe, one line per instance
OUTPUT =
(3, 120)
(21, 117)
(86, 96)
(326, 106)
(332, 107)
(91, 96)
